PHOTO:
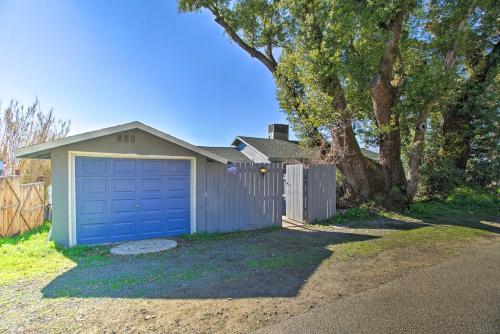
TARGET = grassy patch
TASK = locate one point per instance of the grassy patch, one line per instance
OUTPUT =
(204, 236)
(31, 255)
(462, 201)
(421, 237)
(352, 214)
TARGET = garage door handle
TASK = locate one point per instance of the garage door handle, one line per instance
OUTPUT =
(137, 205)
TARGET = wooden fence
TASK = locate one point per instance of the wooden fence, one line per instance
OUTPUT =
(242, 197)
(21, 205)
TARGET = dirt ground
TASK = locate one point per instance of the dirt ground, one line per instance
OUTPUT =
(218, 286)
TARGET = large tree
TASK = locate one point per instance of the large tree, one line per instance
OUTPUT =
(349, 70)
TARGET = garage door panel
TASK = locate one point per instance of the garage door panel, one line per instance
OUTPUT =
(177, 167)
(152, 167)
(123, 166)
(181, 202)
(151, 185)
(121, 229)
(178, 185)
(92, 167)
(92, 232)
(177, 225)
(178, 213)
(121, 186)
(151, 205)
(150, 227)
(93, 207)
(91, 186)
(127, 199)
(123, 206)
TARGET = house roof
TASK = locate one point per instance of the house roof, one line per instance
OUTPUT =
(278, 149)
(42, 151)
(273, 149)
(230, 153)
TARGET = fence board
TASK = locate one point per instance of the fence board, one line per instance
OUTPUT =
(244, 200)
(321, 194)
(21, 205)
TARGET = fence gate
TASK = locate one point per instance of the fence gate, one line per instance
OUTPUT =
(294, 192)
(310, 191)
(21, 205)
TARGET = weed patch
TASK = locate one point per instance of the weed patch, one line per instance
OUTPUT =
(30, 255)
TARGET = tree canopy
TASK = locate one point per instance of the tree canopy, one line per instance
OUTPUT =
(371, 71)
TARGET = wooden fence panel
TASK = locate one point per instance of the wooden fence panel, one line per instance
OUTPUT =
(21, 205)
(240, 198)
(294, 192)
(321, 192)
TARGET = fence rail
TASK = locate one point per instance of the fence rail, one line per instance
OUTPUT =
(21, 205)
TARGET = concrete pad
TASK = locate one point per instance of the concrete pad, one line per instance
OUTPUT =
(143, 247)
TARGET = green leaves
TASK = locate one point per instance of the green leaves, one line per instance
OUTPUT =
(330, 51)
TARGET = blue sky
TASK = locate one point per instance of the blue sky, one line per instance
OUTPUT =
(101, 63)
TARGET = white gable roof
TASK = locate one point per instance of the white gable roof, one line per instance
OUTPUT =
(43, 150)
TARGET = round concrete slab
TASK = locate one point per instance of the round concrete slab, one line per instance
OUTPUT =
(143, 247)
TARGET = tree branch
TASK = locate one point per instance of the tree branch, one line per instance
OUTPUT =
(269, 62)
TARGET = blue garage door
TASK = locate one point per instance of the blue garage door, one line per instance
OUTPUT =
(131, 199)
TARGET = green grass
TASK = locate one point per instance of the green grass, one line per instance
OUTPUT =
(420, 237)
(30, 255)
(204, 236)
(352, 214)
(462, 201)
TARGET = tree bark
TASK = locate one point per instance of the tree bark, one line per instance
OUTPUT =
(418, 150)
(384, 99)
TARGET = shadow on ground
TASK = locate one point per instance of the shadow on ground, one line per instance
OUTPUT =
(259, 264)
(489, 225)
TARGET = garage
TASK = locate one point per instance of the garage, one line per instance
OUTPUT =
(134, 182)
(119, 199)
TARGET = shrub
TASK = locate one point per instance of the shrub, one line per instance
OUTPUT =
(438, 178)
(471, 197)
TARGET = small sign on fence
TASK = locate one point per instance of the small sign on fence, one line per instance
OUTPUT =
(231, 169)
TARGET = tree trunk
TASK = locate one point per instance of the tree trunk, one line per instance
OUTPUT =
(417, 150)
(384, 98)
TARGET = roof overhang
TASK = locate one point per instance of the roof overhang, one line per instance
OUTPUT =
(42, 151)
(238, 139)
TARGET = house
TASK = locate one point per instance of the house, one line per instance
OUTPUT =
(132, 181)
(277, 147)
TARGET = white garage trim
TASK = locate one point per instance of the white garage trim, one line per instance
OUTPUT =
(72, 193)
